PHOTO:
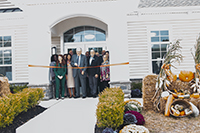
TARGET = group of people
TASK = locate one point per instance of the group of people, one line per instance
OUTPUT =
(72, 71)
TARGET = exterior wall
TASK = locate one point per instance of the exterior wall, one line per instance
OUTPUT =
(14, 25)
(128, 34)
(181, 23)
(117, 37)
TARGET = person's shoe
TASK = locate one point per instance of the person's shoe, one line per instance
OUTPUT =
(94, 96)
(77, 97)
(62, 98)
(84, 97)
(70, 96)
(57, 98)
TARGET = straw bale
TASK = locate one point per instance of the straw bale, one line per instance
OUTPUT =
(4, 86)
(162, 105)
(148, 89)
(180, 85)
(196, 102)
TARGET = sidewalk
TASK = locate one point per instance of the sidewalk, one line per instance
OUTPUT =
(64, 116)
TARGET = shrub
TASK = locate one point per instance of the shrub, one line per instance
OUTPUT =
(14, 104)
(110, 109)
(17, 88)
(136, 85)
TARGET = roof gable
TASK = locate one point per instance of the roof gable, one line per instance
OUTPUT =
(167, 3)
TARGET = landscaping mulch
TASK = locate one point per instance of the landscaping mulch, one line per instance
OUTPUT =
(158, 123)
(22, 118)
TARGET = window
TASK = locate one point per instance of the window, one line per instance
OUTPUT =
(84, 34)
(10, 10)
(73, 50)
(97, 49)
(159, 42)
(6, 56)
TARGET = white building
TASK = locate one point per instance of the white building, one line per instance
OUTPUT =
(134, 31)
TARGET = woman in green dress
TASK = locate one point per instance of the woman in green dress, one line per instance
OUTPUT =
(60, 76)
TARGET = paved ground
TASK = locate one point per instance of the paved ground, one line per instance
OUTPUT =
(64, 116)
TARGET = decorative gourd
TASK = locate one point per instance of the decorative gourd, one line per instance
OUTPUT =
(170, 76)
(168, 104)
(182, 113)
(186, 76)
(133, 107)
(194, 95)
(175, 112)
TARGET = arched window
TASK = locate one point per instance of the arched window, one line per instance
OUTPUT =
(84, 34)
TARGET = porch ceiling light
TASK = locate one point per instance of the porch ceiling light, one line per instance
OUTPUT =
(89, 36)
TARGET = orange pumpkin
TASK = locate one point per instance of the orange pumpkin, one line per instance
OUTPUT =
(186, 76)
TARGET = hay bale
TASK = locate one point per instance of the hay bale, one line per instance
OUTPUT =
(4, 86)
(148, 90)
(180, 85)
(162, 105)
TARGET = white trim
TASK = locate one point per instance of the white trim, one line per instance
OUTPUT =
(73, 16)
(9, 33)
(84, 46)
(62, 44)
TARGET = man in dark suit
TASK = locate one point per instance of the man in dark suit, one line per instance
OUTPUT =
(93, 72)
(79, 60)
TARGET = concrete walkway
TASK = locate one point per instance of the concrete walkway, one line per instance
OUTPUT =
(64, 116)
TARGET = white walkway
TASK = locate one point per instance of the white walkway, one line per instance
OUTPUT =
(64, 116)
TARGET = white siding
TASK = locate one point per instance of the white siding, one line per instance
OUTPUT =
(21, 53)
(139, 49)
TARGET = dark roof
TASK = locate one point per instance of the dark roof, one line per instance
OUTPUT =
(167, 3)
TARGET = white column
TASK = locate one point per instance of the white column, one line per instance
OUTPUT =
(61, 44)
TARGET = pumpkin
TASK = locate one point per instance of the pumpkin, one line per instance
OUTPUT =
(186, 76)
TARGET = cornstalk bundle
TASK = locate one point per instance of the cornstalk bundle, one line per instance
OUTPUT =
(166, 77)
(196, 57)
(4, 86)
